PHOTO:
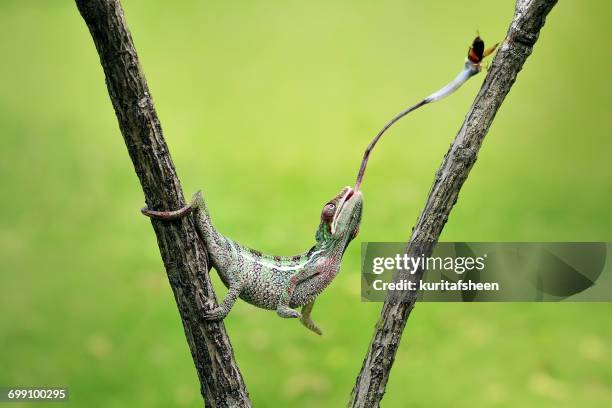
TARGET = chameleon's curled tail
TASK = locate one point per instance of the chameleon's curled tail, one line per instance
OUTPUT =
(213, 240)
(197, 203)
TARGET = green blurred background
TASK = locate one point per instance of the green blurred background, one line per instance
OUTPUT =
(267, 106)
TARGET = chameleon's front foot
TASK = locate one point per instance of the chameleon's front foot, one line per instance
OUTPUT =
(310, 325)
(306, 320)
(287, 312)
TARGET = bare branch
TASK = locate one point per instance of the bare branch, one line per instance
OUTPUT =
(183, 254)
(523, 33)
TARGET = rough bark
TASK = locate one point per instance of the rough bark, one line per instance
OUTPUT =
(183, 254)
(522, 35)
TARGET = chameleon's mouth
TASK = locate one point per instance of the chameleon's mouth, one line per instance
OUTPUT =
(349, 195)
(345, 196)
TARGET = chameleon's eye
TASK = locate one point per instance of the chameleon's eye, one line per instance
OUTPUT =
(328, 211)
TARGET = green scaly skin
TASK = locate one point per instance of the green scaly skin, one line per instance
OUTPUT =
(277, 282)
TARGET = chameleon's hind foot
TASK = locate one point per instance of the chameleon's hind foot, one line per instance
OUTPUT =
(287, 312)
(210, 311)
(216, 314)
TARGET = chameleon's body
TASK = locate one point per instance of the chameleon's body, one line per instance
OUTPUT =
(277, 282)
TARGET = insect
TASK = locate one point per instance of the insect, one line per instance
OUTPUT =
(283, 283)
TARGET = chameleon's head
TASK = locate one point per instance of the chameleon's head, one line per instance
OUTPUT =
(340, 218)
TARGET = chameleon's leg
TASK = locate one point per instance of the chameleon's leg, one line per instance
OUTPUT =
(219, 312)
(307, 321)
(489, 50)
(283, 309)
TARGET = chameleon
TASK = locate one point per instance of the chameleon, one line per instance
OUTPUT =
(279, 283)
(284, 283)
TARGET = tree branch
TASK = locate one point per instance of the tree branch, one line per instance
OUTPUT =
(522, 35)
(184, 256)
